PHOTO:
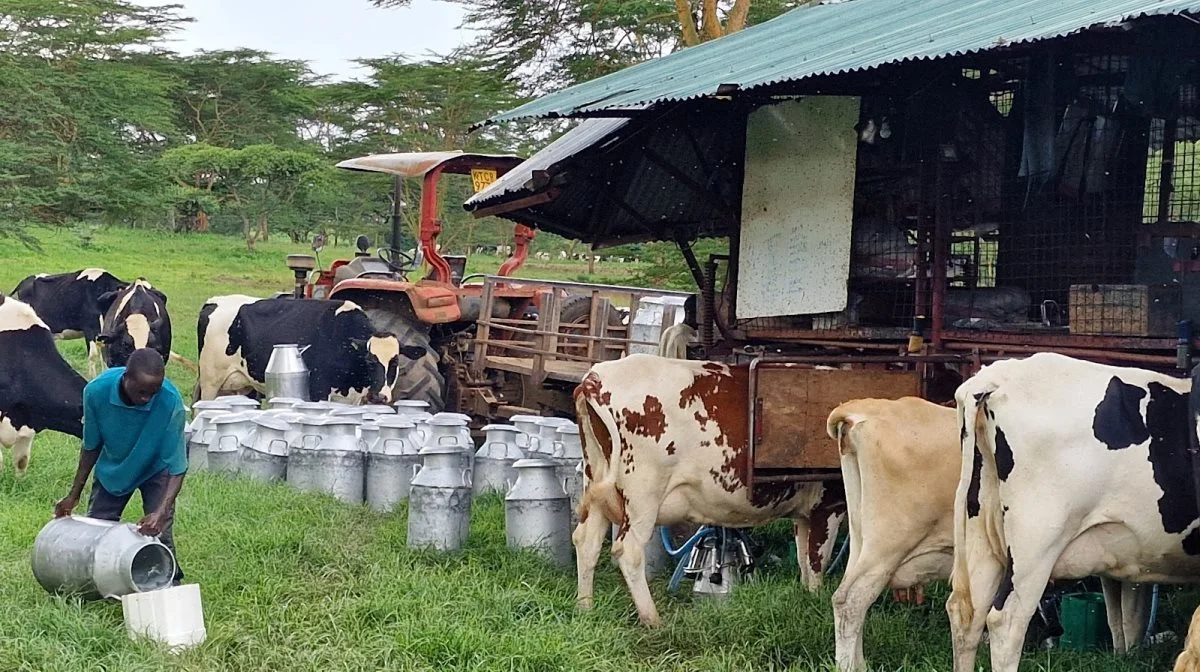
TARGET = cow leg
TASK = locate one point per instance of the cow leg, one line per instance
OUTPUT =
(588, 539)
(1135, 612)
(822, 538)
(93, 356)
(970, 600)
(1113, 591)
(860, 587)
(629, 548)
(1017, 599)
(802, 530)
(21, 448)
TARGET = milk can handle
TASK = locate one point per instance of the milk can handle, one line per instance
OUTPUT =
(304, 443)
(453, 440)
(558, 450)
(566, 486)
(466, 478)
(416, 468)
(275, 441)
(224, 440)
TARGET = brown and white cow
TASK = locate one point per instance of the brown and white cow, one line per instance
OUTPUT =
(1069, 469)
(666, 442)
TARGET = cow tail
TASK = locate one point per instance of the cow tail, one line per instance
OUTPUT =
(840, 425)
(971, 405)
(600, 473)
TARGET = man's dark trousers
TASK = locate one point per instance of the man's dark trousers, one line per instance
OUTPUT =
(104, 505)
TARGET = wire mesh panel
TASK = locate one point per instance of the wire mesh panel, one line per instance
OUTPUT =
(1049, 194)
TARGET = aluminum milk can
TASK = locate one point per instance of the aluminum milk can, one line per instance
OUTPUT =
(99, 558)
(537, 511)
(494, 460)
(421, 424)
(328, 457)
(225, 447)
(568, 454)
(439, 503)
(282, 403)
(265, 458)
(286, 373)
(527, 425)
(368, 431)
(466, 425)
(411, 406)
(202, 432)
(237, 402)
(547, 433)
(447, 430)
(391, 462)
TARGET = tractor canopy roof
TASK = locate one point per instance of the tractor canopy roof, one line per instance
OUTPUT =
(416, 164)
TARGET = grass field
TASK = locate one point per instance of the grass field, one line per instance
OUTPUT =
(301, 582)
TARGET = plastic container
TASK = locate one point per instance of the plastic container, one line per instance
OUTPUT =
(173, 616)
(1084, 622)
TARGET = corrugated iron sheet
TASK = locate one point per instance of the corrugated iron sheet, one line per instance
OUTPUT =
(587, 134)
(837, 38)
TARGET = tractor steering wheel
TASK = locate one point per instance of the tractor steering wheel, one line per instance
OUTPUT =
(407, 262)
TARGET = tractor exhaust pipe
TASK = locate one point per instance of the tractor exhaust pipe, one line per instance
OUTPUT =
(397, 219)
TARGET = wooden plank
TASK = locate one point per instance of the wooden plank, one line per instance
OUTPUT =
(567, 372)
(796, 402)
(483, 331)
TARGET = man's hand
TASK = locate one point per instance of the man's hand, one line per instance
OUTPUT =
(64, 506)
(152, 524)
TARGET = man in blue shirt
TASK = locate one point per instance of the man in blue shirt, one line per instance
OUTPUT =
(133, 422)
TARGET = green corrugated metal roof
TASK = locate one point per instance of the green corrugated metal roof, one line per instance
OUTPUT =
(843, 37)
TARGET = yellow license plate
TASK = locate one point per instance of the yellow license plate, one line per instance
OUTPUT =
(482, 177)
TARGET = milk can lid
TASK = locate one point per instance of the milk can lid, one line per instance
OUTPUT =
(411, 403)
(238, 400)
(447, 421)
(379, 409)
(272, 422)
(210, 405)
(395, 421)
(534, 462)
(569, 429)
(500, 428)
(440, 450)
(525, 418)
(229, 418)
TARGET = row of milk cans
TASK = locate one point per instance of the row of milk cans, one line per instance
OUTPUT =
(385, 455)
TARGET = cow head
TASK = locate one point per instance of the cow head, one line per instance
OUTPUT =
(382, 353)
(134, 317)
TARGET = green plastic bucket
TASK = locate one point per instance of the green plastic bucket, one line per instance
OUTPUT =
(1084, 622)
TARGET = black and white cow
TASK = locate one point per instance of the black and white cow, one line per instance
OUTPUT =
(69, 304)
(38, 388)
(1070, 469)
(347, 359)
(135, 317)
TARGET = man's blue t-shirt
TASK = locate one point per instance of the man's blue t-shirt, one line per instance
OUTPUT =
(135, 442)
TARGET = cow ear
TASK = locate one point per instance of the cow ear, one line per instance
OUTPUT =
(159, 295)
(104, 338)
(105, 300)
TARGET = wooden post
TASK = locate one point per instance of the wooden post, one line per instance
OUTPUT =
(594, 321)
(601, 329)
(548, 339)
(634, 299)
(484, 331)
(668, 319)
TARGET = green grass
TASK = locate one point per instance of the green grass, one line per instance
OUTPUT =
(302, 582)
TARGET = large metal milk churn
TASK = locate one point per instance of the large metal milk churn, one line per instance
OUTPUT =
(439, 502)
(392, 462)
(537, 511)
(527, 426)
(265, 456)
(99, 558)
(568, 454)
(229, 433)
(286, 373)
(201, 437)
(547, 434)
(447, 430)
(493, 469)
(328, 457)
(411, 406)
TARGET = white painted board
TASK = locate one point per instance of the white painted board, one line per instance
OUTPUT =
(797, 207)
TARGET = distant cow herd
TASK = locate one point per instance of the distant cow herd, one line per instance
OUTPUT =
(1047, 468)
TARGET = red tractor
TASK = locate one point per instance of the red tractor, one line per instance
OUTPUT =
(430, 311)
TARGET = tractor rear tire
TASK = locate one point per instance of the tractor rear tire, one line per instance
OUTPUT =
(418, 378)
(578, 310)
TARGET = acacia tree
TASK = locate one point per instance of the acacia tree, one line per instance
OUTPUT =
(255, 183)
(83, 116)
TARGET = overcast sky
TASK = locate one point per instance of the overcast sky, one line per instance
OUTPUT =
(326, 33)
